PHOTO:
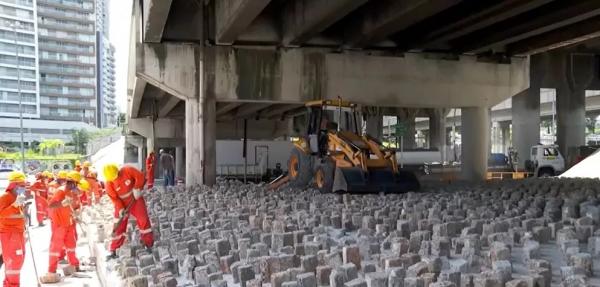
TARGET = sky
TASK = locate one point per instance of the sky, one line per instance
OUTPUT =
(119, 21)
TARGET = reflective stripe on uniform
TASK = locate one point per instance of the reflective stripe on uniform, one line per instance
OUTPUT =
(144, 231)
(13, 216)
(12, 272)
(54, 254)
(70, 250)
(19, 252)
(127, 195)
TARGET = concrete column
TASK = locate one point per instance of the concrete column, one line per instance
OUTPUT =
(150, 145)
(194, 144)
(525, 122)
(437, 130)
(374, 126)
(140, 158)
(475, 142)
(200, 141)
(570, 111)
(407, 117)
(505, 134)
(179, 161)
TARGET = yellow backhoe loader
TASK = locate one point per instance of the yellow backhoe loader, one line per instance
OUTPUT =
(336, 157)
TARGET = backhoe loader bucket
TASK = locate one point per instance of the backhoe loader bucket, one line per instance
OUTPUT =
(354, 180)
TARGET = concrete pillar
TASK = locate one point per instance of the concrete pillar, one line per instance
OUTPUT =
(179, 161)
(374, 126)
(475, 142)
(140, 158)
(505, 135)
(200, 141)
(525, 122)
(437, 130)
(150, 145)
(407, 117)
(570, 112)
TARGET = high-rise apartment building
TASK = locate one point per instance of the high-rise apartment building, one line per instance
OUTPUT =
(18, 65)
(106, 104)
(56, 40)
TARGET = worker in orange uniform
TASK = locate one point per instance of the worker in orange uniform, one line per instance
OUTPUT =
(12, 228)
(95, 187)
(77, 166)
(64, 234)
(150, 169)
(40, 190)
(124, 188)
(86, 168)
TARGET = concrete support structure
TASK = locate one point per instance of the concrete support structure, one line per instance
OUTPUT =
(374, 126)
(179, 162)
(505, 135)
(140, 159)
(526, 122)
(475, 143)
(570, 132)
(407, 117)
(437, 130)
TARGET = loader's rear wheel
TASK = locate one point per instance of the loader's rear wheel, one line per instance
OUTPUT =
(324, 176)
(299, 168)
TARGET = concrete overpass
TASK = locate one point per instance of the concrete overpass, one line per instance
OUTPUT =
(198, 69)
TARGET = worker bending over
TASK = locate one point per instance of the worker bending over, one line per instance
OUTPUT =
(124, 188)
(12, 228)
(64, 234)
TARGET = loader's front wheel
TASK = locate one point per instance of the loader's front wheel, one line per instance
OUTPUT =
(299, 168)
(324, 176)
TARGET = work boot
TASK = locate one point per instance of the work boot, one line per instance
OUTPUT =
(63, 261)
(41, 224)
(69, 270)
(50, 278)
(113, 255)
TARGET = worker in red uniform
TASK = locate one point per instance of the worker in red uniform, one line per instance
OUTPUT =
(95, 187)
(86, 168)
(64, 234)
(77, 166)
(12, 228)
(40, 191)
(124, 188)
(150, 170)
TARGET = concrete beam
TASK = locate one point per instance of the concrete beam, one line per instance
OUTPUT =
(223, 108)
(298, 75)
(549, 17)
(155, 16)
(277, 111)
(479, 20)
(161, 128)
(564, 36)
(135, 99)
(303, 19)
(388, 17)
(232, 17)
(166, 105)
(170, 67)
(247, 110)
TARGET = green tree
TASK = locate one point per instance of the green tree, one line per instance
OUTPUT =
(51, 146)
(80, 139)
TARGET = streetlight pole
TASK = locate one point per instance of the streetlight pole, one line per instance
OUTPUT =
(14, 26)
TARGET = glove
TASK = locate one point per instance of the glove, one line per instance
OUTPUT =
(21, 199)
(66, 202)
(137, 193)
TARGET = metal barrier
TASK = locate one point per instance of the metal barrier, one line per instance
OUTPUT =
(508, 175)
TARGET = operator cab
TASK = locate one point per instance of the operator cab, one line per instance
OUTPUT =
(329, 116)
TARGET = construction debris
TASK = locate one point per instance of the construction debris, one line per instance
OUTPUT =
(534, 232)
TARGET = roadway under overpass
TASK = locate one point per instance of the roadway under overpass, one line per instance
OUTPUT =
(199, 69)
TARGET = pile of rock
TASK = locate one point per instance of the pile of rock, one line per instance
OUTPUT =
(489, 235)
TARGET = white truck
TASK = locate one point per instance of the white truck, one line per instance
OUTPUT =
(545, 161)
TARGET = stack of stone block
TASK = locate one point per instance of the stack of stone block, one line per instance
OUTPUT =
(498, 234)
